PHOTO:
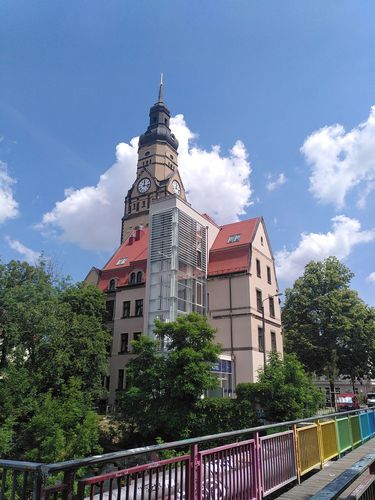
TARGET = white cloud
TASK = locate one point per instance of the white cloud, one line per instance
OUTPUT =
(342, 160)
(273, 184)
(346, 233)
(29, 255)
(217, 184)
(91, 216)
(371, 277)
(8, 205)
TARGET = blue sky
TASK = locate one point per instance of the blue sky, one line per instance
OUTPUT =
(282, 90)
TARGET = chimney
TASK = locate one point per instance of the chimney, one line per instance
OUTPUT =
(138, 232)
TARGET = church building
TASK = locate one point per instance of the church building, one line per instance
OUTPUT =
(173, 260)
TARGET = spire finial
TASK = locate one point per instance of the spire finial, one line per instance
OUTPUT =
(161, 88)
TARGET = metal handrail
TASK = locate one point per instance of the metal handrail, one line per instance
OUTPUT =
(107, 457)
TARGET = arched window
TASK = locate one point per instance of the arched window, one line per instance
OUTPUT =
(132, 279)
(112, 285)
(139, 277)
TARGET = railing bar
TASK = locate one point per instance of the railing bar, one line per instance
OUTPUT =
(242, 472)
(14, 479)
(150, 484)
(4, 476)
(110, 489)
(135, 485)
(222, 459)
(92, 487)
(127, 490)
(24, 484)
(163, 483)
(143, 485)
(214, 473)
(175, 480)
(170, 482)
(187, 477)
(157, 481)
(250, 479)
(209, 474)
(181, 489)
(101, 490)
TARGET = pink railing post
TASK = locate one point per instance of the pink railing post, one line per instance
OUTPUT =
(195, 474)
(258, 466)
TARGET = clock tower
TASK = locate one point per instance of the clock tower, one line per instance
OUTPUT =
(157, 168)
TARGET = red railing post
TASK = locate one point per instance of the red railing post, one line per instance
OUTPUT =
(258, 466)
(195, 474)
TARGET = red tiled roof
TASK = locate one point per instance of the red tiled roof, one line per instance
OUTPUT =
(245, 228)
(226, 257)
(229, 261)
(132, 254)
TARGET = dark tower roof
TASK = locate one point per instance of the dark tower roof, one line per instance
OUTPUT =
(158, 129)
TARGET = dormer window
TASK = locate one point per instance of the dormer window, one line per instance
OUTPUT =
(132, 279)
(139, 277)
(112, 285)
(234, 238)
(121, 261)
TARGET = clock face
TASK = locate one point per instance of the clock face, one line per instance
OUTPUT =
(144, 185)
(176, 187)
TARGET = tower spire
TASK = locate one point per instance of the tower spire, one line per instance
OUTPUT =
(160, 99)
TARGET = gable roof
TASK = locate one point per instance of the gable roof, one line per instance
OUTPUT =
(131, 255)
(132, 250)
(230, 252)
(246, 230)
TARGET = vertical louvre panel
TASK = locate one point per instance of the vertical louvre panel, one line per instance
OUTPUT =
(161, 237)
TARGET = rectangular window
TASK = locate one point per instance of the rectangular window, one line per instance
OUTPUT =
(199, 294)
(136, 335)
(260, 339)
(273, 342)
(269, 274)
(139, 307)
(120, 379)
(199, 259)
(272, 307)
(110, 308)
(259, 301)
(126, 309)
(234, 238)
(124, 345)
(258, 268)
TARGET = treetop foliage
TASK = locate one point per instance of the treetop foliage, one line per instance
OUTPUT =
(284, 391)
(52, 341)
(326, 324)
(165, 385)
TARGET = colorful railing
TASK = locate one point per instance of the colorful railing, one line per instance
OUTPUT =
(249, 469)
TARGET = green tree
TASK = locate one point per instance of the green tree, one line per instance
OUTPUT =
(325, 322)
(50, 334)
(166, 384)
(284, 390)
(64, 427)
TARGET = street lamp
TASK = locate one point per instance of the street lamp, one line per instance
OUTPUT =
(264, 327)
